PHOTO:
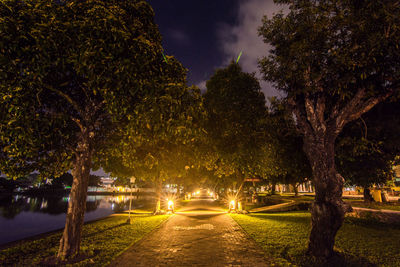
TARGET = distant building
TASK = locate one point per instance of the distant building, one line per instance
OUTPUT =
(107, 182)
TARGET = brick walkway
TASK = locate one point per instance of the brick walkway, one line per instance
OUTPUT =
(195, 238)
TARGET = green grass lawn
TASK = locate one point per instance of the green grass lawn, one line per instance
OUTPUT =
(376, 205)
(284, 237)
(102, 240)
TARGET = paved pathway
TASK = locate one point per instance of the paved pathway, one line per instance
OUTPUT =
(199, 235)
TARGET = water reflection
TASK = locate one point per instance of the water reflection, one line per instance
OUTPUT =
(12, 205)
(24, 216)
(121, 203)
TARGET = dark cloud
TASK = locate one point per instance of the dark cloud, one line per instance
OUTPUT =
(178, 36)
(244, 37)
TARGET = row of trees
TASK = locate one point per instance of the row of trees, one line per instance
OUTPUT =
(34, 181)
(85, 85)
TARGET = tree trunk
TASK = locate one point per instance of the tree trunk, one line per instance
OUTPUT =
(70, 241)
(159, 194)
(295, 189)
(367, 195)
(273, 187)
(328, 209)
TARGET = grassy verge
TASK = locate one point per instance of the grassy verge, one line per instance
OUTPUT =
(102, 241)
(354, 202)
(284, 237)
(375, 205)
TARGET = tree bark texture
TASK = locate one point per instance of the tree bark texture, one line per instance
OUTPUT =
(71, 238)
(320, 126)
(328, 209)
(295, 189)
(273, 188)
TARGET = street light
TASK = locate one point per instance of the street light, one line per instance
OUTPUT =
(170, 206)
(232, 205)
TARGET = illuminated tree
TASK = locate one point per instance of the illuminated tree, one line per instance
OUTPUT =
(72, 74)
(334, 60)
(163, 138)
(235, 126)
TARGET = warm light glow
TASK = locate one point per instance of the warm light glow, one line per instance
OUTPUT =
(198, 192)
(170, 205)
(232, 205)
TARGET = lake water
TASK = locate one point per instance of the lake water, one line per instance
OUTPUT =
(23, 216)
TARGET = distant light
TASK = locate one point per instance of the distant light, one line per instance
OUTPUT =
(170, 206)
(232, 205)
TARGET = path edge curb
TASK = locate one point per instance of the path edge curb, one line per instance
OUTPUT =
(138, 241)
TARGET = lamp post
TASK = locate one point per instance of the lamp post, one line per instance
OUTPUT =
(132, 181)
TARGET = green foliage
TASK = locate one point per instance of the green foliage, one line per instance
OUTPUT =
(63, 180)
(160, 140)
(236, 121)
(284, 237)
(367, 148)
(102, 241)
(333, 48)
(70, 67)
(289, 162)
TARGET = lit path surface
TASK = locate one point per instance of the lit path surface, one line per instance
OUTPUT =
(200, 234)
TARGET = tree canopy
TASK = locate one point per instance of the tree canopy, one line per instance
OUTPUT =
(235, 126)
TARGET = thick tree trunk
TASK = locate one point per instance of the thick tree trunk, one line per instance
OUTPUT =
(328, 209)
(320, 126)
(367, 195)
(70, 241)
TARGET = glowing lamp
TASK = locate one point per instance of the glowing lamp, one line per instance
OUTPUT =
(232, 206)
(170, 206)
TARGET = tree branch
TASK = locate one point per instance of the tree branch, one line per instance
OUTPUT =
(303, 126)
(66, 97)
(356, 107)
(315, 113)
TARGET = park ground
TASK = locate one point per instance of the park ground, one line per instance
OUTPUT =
(202, 234)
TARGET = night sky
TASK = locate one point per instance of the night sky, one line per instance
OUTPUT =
(205, 35)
